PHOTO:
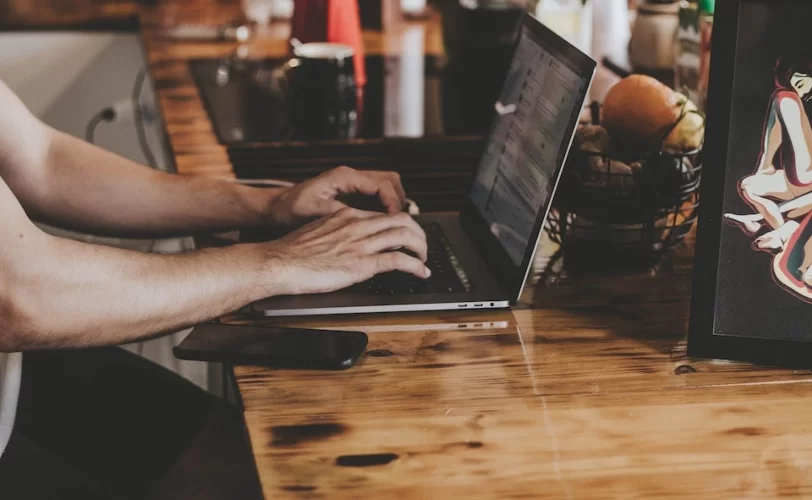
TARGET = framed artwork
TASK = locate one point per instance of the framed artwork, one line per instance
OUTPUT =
(752, 289)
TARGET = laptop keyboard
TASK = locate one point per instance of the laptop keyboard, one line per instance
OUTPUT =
(447, 275)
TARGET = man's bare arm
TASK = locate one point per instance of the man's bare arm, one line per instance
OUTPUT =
(56, 292)
(69, 183)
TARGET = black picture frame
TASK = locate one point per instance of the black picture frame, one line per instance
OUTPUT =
(714, 298)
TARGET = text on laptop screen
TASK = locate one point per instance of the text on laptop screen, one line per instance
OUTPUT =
(528, 140)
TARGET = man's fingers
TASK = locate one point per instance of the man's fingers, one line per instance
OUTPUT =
(399, 261)
(343, 217)
(372, 225)
(348, 180)
(346, 216)
(328, 206)
(390, 197)
(398, 185)
(349, 213)
(397, 238)
(382, 188)
(385, 185)
(390, 182)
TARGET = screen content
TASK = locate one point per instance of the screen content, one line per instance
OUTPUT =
(527, 142)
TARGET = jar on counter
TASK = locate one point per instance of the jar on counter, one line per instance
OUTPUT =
(652, 45)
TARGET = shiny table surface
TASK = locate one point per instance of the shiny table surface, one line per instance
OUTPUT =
(582, 391)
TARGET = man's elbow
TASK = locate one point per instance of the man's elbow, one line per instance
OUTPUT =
(18, 325)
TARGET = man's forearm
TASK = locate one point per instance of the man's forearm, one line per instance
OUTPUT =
(92, 190)
(75, 294)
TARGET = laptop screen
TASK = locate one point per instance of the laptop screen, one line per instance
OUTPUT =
(542, 97)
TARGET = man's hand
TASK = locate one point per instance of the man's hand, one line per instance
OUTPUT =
(317, 197)
(343, 249)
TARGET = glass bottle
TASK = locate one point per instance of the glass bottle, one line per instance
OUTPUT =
(707, 8)
(688, 46)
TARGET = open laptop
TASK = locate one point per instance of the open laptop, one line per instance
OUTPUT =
(480, 258)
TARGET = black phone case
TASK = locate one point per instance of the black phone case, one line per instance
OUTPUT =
(247, 345)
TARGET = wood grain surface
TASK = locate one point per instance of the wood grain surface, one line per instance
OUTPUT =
(68, 14)
(583, 391)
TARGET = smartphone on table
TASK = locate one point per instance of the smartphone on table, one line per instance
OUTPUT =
(294, 348)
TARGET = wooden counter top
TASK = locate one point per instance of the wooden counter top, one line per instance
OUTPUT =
(68, 14)
(584, 391)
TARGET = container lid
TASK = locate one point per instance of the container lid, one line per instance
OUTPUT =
(707, 6)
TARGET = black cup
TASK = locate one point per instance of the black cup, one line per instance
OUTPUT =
(322, 92)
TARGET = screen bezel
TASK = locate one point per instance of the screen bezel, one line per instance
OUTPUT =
(703, 341)
(510, 275)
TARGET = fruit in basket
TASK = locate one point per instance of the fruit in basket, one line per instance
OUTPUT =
(689, 132)
(636, 209)
(608, 173)
(638, 109)
(641, 114)
(592, 139)
(592, 160)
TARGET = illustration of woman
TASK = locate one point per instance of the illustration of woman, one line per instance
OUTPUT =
(780, 189)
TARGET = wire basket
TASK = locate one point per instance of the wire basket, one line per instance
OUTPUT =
(615, 214)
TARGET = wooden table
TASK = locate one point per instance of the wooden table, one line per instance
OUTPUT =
(68, 14)
(583, 391)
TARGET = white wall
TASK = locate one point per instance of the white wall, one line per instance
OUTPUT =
(40, 66)
(66, 78)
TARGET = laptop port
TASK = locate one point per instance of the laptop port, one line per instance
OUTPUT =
(478, 305)
(462, 305)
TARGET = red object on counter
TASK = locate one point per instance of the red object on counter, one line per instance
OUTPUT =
(336, 21)
(309, 23)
